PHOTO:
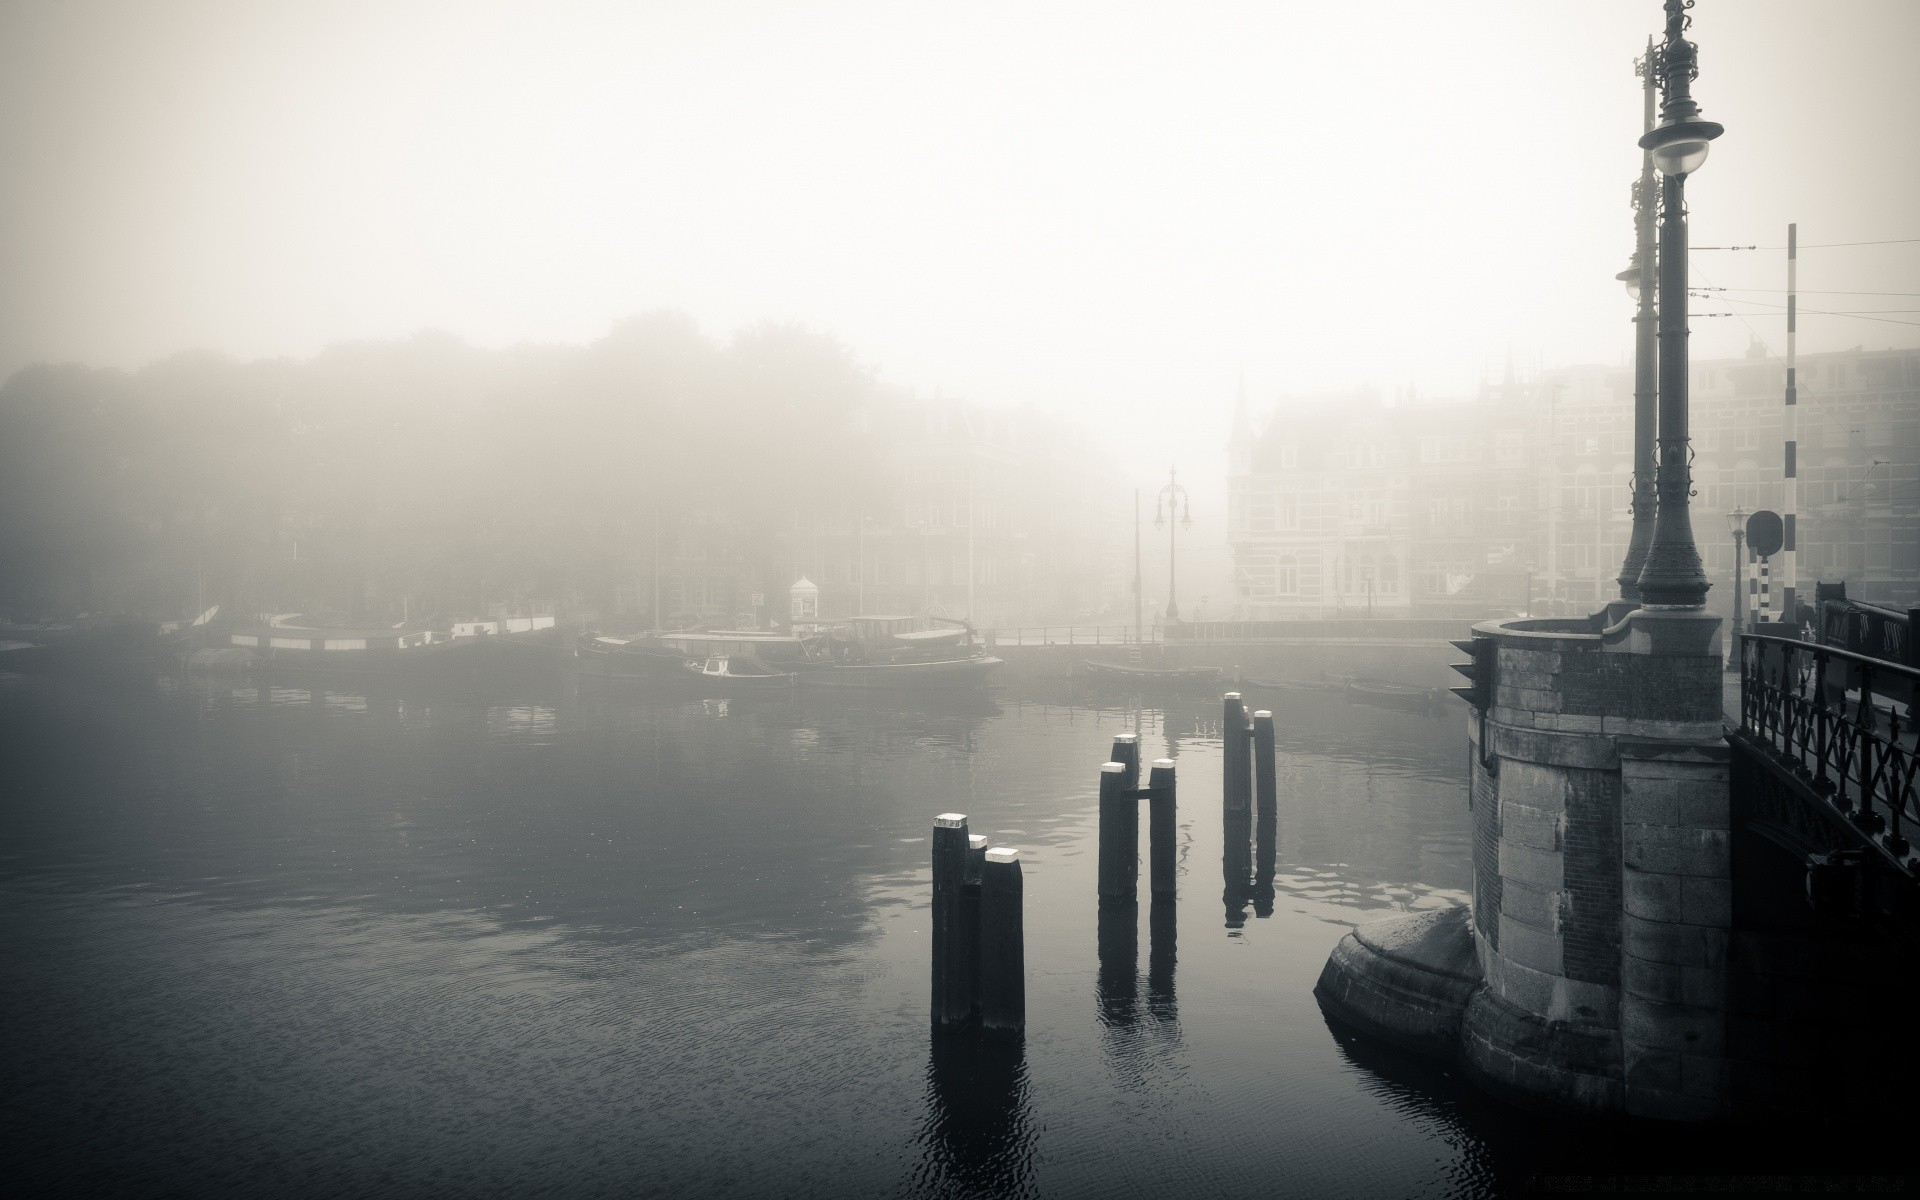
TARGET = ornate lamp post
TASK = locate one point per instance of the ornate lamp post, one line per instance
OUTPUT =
(1172, 498)
(1639, 278)
(1672, 576)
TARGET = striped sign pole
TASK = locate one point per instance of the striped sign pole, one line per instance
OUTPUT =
(1766, 592)
(1790, 502)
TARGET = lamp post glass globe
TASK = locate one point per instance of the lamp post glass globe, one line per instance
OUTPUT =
(1631, 277)
(1737, 522)
(1680, 147)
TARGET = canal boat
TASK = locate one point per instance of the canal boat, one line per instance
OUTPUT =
(901, 652)
(727, 674)
(663, 654)
(294, 642)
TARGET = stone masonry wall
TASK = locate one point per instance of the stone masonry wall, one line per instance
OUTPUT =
(1676, 877)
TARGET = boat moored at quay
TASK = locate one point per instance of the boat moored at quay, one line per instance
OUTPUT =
(296, 643)
(859, 652)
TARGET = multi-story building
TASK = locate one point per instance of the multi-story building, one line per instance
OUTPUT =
(984, 515)
(1518, 499)
(1353, 505)
(1858, 466)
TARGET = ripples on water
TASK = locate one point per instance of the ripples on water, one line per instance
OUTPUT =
(318, 941)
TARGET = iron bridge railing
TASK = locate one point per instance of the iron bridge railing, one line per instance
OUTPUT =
(1843, 722)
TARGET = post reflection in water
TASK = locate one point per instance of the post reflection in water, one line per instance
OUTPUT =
(1161, 959)
(977, 1137)
(1265, 851)
(1236, 866)
(1117, 985)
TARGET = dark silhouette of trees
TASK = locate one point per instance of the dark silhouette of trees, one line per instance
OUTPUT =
(418, 476)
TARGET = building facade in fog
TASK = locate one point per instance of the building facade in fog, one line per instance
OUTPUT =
(1858, 466)
(1517, 499)
(1352, 505)
(975, 513)
(984, 515)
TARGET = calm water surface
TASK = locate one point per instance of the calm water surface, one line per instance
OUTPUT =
(325, 941)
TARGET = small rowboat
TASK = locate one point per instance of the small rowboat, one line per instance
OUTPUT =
(1127, 673)
(1393, 695)
(1290, 685)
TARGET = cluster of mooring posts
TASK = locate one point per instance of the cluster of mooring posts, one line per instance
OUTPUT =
(1247, 785)
(979, 933)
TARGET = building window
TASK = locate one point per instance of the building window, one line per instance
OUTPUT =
(1286, 578)
(1260, 512)
(1256, 576)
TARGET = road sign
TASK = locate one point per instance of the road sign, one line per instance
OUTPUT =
(1765, 533)
(758, 599)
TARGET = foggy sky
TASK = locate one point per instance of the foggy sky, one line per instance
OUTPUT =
(1106, 209)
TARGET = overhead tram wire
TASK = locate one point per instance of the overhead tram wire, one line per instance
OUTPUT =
(1832, 418)
(1858, 316)
(1819, 246)
(1804, 291)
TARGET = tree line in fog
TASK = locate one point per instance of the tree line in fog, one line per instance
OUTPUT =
(415, 477)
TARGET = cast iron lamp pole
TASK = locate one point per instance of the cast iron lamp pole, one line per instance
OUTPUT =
(1639, 278)
(1171, 497)
(1673, 577)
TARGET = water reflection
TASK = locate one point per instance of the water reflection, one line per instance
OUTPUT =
(1161, 959)
(683, 944)
(977, 1137)
(1117, 984)
(1236, 865)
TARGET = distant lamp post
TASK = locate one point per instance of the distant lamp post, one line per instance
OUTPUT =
(1673, 576)
(1737, 526)
(1173, 501)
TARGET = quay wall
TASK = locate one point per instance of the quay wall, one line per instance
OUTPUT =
(1602, 877)
(1602, 882)
(1417, 662)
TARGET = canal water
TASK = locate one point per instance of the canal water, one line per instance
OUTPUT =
(324, 941)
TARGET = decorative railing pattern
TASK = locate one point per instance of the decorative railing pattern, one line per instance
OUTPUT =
(1868, 629)
(1843, 722)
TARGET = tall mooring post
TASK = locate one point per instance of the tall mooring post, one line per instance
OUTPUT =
(952, 981)
(1119, 835)
(1236, 782)
(979, 954)
(1003, 961)
(1126, 751)
(1267, 810)
(1162, 828)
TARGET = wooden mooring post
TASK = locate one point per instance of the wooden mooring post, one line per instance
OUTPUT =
(1003, 955)
(1119, 834)
(979, 951)
(967, 949)
(1236, 783)
(1267, 809)
(1162, 828)
(1126, 752)
(952, 981)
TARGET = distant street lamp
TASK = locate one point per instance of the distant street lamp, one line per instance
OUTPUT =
(1673, 576)
(1173, 499)
(1737, 525)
